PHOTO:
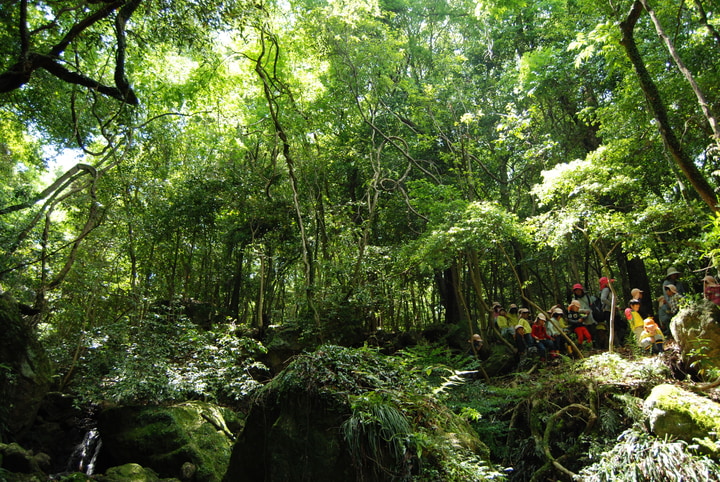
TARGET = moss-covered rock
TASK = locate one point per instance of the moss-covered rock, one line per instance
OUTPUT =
(171, 440)
(683, 415)
(500, 361)
(14, 458)
(123, 473)
(25, 370)
(350, 414)
(696, 330)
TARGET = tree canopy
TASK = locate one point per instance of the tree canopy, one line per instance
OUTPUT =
(351, 166)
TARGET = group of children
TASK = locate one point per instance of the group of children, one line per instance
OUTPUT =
(542, 335)
(548, 337)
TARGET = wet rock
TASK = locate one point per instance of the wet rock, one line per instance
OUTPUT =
(16, 459)
(126, 472)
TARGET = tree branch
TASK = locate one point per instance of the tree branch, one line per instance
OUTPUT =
(28, 62)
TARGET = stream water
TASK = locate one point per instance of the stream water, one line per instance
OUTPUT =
(85, 455)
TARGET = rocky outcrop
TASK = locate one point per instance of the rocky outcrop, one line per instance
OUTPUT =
(282, 343)
(681, 415)
(17, 460)
(188, 438)
(24, 370)
(696, 330)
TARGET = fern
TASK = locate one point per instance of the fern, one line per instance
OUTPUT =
(378, 436)
(639, 456)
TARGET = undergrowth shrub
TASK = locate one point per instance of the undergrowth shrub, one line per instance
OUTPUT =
(487, 407)
(378, 435)
(158, 360)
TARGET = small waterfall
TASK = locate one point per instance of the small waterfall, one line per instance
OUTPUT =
(86, 453)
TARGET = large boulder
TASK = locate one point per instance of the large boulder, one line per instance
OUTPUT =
(348, 414)
(25, 371)
(696, 330)
(173, 441)
(678, 414)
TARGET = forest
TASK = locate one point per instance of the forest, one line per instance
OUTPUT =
(289, 217)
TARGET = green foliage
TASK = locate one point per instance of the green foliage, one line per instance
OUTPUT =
(459, 465)
(485, 407)
(434, 362)
(639, 456)
(711, 240)
(705, 364)
(484, 227)
(165, 358)
(632, 407)
(333, 368)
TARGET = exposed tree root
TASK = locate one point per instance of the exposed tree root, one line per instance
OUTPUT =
(544, 441)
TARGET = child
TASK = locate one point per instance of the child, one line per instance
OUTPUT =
(512, 314)
(479, 348)
(556, 327)
(524, 319)
(651, 338)
(506, 329)
(634, 319)
(523, 340)
(476, 341)
(544, 342)
(575, 317)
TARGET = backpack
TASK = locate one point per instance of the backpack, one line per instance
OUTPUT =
(596, 308)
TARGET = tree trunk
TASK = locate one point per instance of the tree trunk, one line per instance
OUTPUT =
(704, 104)
(672, 143)
(636, 276)
(448, 295)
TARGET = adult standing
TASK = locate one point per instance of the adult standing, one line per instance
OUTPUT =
(586, 301)
(664, 316)
(605, 297)
(672, 277)
(673, 296)
(603, 326)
